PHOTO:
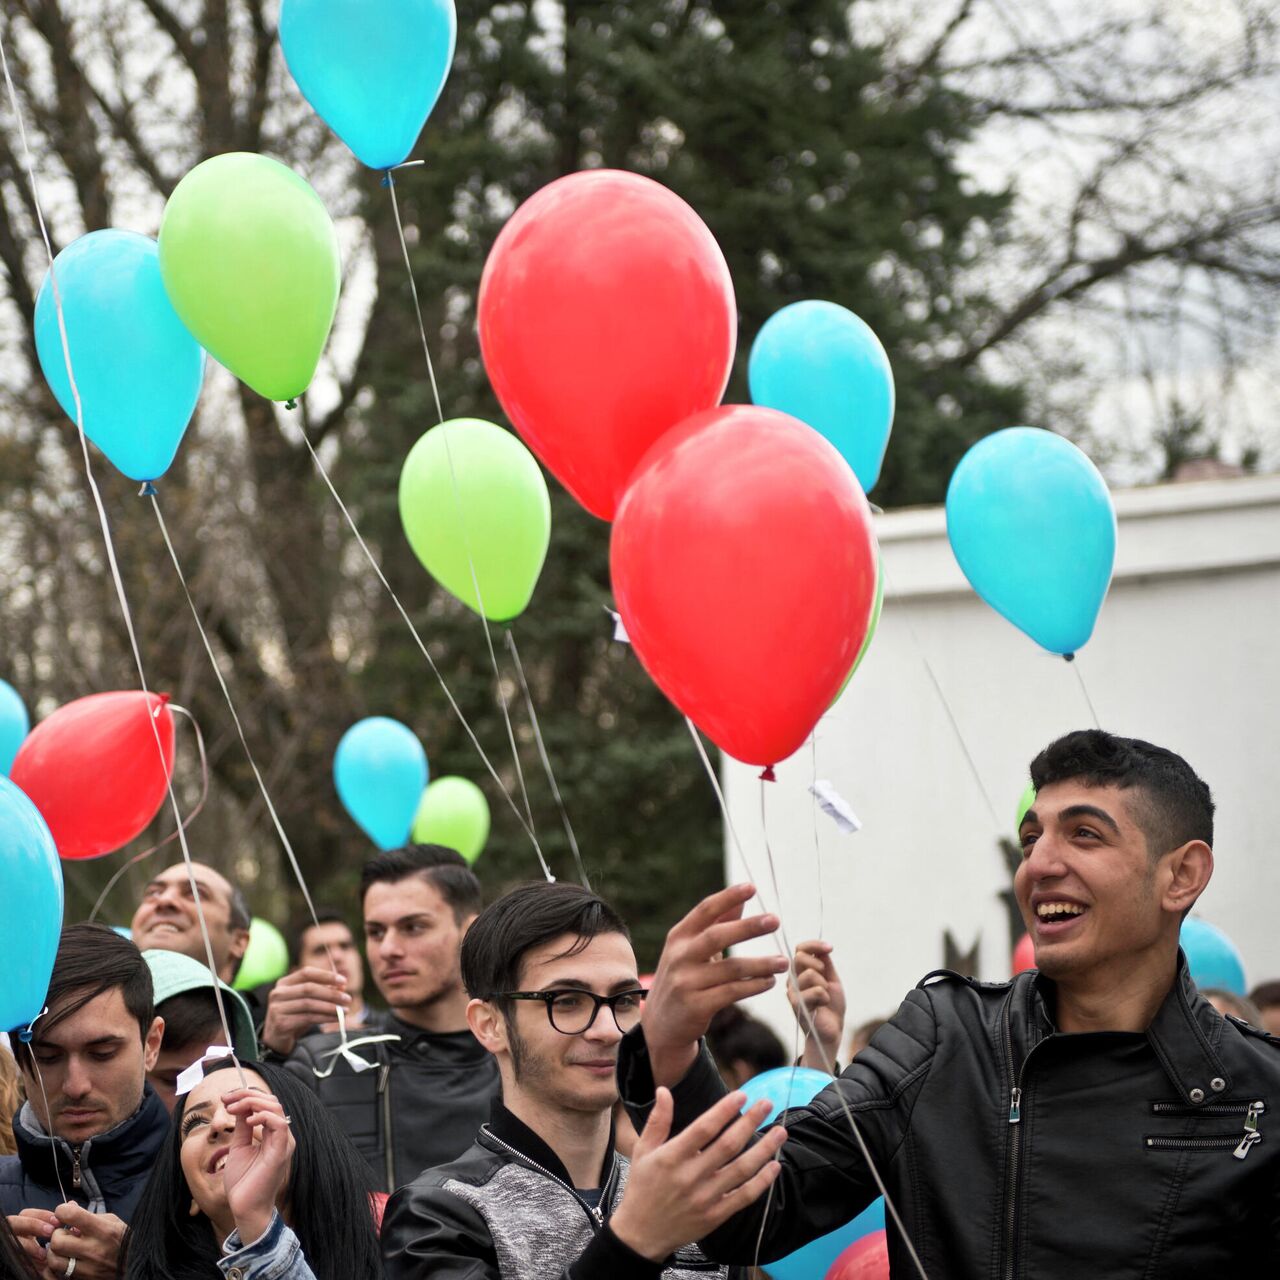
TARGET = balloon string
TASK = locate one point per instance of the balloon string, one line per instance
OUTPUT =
(173, 835)
(121, 598)
(780, 939)
(435, 670)
(996, 824)
(546, 759)
(817, 841)
(1075, 666)
(253, 764)
(459, 509)
(48, 1119)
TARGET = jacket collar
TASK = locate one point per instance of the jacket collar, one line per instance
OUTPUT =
(460, 1046)
(1183, 1034)
(115, 1157)
(512, 1131)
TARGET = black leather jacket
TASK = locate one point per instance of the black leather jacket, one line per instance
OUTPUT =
(419, 1106)
(1014, 1150)
(507, 1210)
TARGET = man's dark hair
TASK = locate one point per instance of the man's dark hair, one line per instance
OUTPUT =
(92, 960)
(446, 869)
(1175, 805)
(238, 907)
(528, 916)
(735, 1036)
(324, 915)
(190, 1017)
(1265, 994)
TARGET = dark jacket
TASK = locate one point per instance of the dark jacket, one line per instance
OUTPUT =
(1013, 1150)
(105, 1174)
(421, 1104)
(507, 1210)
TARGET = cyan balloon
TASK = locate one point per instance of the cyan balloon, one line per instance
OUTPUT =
(380, 770)
(820, 363)
(30, 907)
(796, 1087)
(15, 724)
(372, 69)
(1212, 957)
(1032, 525)
(137, 368)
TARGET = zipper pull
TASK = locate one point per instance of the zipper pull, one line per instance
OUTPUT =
(597, 1215)
(1015, 1106)
(75, 1168)
(1251, 1134)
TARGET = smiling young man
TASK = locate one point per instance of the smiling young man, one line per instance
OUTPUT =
(91, 1127)
(1097, 1117)
(429, 1082)
(541, 1191)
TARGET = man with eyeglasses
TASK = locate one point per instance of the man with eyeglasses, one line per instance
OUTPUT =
(553, 986)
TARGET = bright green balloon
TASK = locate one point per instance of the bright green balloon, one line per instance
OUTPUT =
(453, 812)
(249, 259)
(1025, 803)
(266, 959)
(876, 605)
(482, 503)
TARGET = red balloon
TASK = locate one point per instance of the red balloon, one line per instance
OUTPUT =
(864, 1259)
(607, 316)
(744, 566)
(1024, 954)
(93, 771)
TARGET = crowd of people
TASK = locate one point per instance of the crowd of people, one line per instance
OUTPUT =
(524, 1105)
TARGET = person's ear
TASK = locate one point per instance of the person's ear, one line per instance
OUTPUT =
(239, 943)
(487, 1025)
(1187, 871)
(151, 1045)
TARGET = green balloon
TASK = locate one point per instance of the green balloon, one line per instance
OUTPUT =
(266, 959)
(249, 259)
(876, 605)
(472, 497)
(1025, 803)
(453, 812)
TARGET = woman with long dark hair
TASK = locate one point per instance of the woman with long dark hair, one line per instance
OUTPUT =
(14, 1264)
(258, 1179)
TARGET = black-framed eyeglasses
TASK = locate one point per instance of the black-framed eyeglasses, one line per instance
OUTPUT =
(571, 1011)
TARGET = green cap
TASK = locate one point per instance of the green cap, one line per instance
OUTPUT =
(173, 974)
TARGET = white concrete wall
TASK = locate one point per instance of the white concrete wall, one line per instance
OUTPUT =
(1186, 654)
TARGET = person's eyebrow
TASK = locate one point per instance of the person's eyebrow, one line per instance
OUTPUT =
(198, 1106)
(100, 1041)
(1089, 811)
(1029, 816)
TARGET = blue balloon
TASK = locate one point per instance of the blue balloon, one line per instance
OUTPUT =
(30, 908)
(137, 369)
(1031, 522)
(1212, 957)
(380, 770)
(15, 724)
(796, 1087)
(820, 363)
(372, 69)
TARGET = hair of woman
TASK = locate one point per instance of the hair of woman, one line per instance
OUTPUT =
(329, 1201)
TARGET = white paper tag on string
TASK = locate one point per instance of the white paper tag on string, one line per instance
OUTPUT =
(619, 627)
(188, 1079)
(835, 806)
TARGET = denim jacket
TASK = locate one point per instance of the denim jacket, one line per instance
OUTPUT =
(274, 1255)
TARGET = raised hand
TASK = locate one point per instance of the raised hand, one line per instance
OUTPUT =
(695, 979)
(818, 1002)
(680, 1189)
(299, 1001)
(257, 1167)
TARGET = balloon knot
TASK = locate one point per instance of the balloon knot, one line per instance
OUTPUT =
(26, 1035)
(148, 489)
(164, 698)
(291, 404)
(1068, 657)
(768, 775)
(386, 178)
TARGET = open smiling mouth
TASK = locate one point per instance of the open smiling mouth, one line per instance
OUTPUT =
(1053, 915)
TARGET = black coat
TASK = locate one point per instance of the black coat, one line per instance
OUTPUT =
(105, 1174)
(1013, 1150)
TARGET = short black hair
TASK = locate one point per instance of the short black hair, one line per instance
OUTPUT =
(735, 1036)
(1265, 994)
(92, 959)
(1175, 805)
(528, 916)
(324, 915)
(238, 913)
(190, 1017)
(444, 868)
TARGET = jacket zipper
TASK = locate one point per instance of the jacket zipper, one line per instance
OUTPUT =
(1208, 1109)
(75, 1168)
(389, 1155)
(1015, 1139)
(592, 1212)
(1252, 1136)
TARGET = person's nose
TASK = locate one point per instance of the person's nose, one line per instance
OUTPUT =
(604, 1030)
(76, 1081)
(1044, 861)
(390, 945)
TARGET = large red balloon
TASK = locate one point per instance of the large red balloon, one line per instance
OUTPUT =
(1024, 954)
(607, 316)
(864, 1259)
(93, 771)
(744, 566)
